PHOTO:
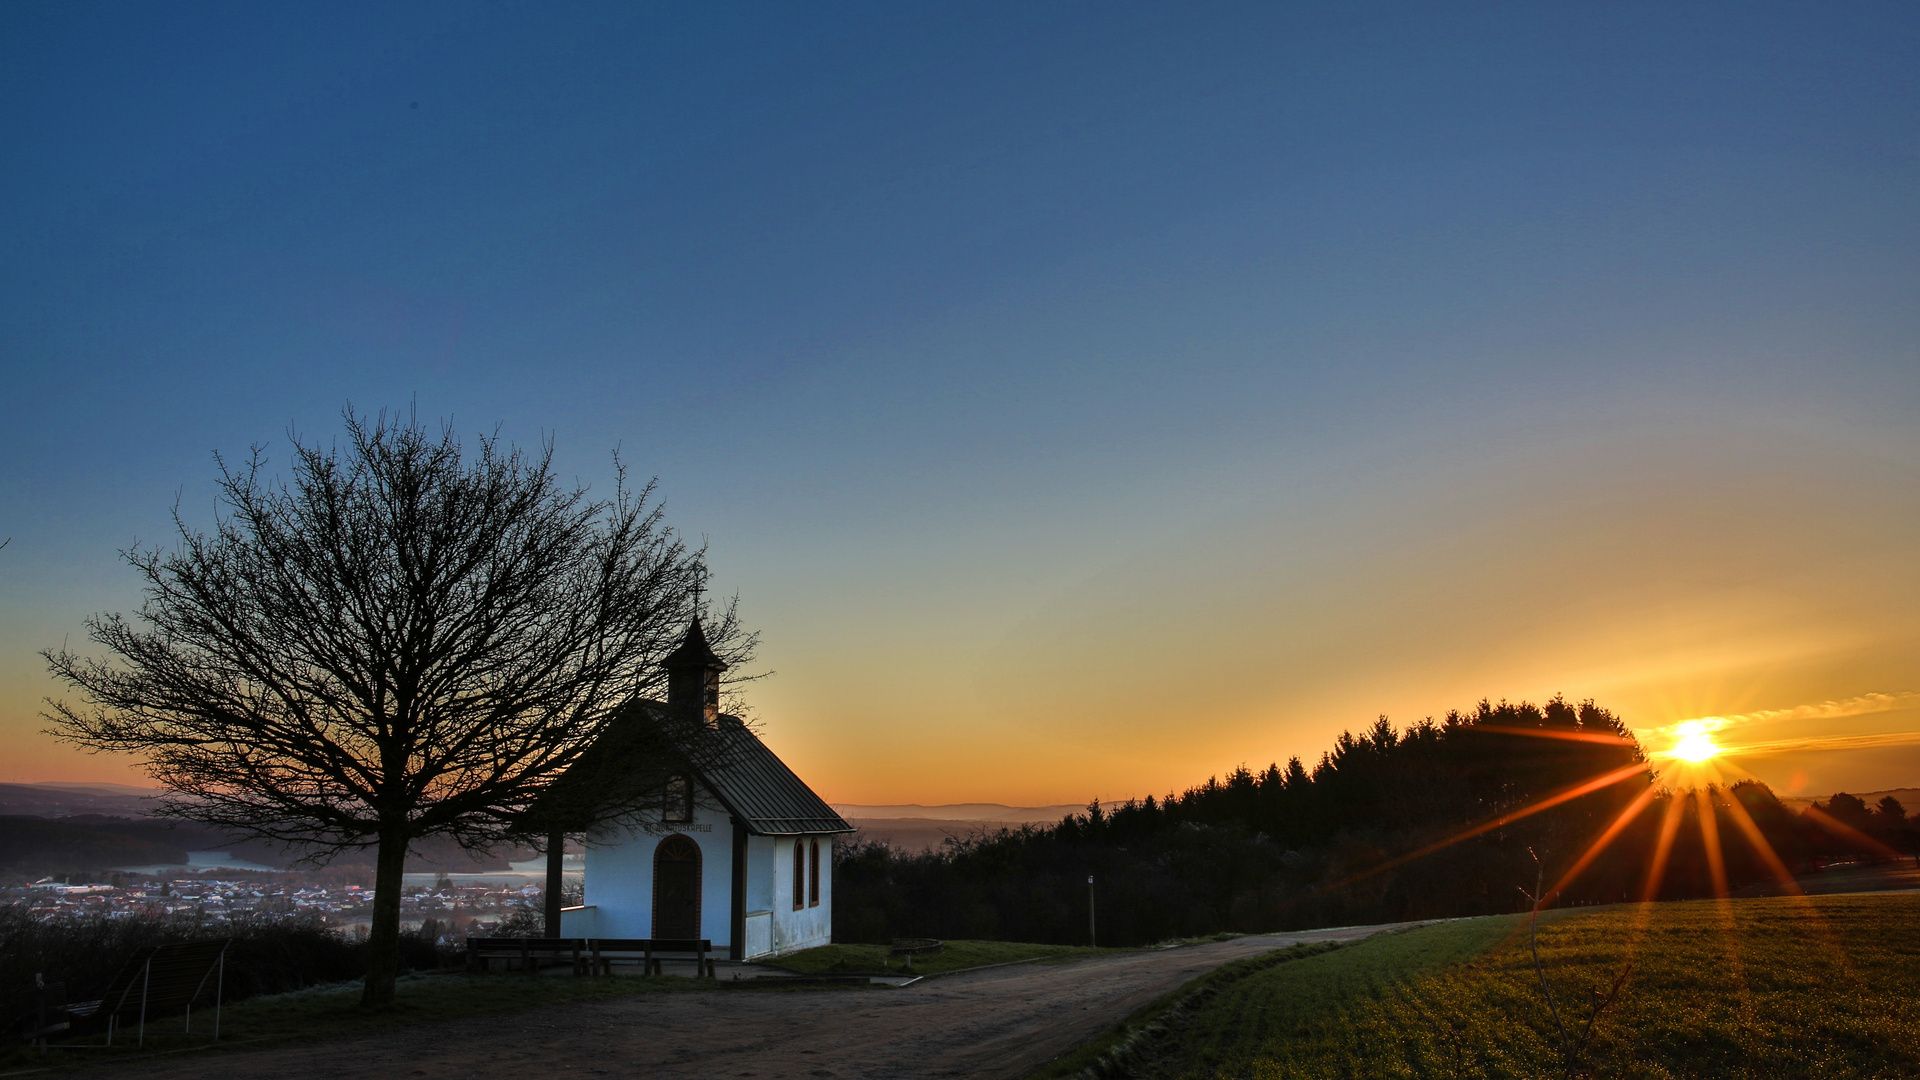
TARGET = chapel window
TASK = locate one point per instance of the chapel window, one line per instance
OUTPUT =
(679, 800)
(813, 873)
(799, 875)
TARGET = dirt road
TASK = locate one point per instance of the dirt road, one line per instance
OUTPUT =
(996, 1023)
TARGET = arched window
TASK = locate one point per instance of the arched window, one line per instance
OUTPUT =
(799, 875)
(813, 873)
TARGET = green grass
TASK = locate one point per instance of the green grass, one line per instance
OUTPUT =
(334, 1010)
(873, 959)
(1776, 987)
(1142, 1036)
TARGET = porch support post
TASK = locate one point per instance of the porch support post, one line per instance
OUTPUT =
(737, 935)
(556, 862)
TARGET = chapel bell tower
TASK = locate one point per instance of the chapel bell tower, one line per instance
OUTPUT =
(693, 677)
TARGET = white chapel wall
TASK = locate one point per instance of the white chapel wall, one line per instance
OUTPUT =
(760, 859)
(810, 925)
(619, 874)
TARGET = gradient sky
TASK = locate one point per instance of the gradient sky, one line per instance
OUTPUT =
(1083, 399)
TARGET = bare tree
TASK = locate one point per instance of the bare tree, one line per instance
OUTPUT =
(398, 643)
(1572, 1047)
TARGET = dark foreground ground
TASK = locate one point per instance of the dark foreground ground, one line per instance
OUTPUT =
(1002, 1022)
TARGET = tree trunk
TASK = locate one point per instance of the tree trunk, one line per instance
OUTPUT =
(383, 937)
(556, 868)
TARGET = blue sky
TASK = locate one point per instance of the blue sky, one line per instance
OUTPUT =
(1122, 391)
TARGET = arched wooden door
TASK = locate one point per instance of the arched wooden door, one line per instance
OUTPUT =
(676, 888)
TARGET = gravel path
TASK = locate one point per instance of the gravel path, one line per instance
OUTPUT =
(996, 1023)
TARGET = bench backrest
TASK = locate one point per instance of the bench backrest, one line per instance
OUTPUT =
(653, 944)
(515, 945)
(162, 977)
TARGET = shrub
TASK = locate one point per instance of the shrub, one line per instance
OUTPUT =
(268, 955)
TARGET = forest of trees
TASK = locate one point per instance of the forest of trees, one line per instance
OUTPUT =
(1443, 818)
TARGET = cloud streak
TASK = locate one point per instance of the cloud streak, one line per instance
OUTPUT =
(1829, 743)
(1863, 705)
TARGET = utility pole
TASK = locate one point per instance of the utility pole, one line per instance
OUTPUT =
(1091, 939)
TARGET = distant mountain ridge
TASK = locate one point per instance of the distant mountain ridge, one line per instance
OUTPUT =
(100, 788)
(999, 812)
(913, 827)
(57, 800)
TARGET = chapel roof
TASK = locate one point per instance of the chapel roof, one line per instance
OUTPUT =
(646, 742)
(760, 791)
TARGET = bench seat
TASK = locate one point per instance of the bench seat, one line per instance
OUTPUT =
(589, 956)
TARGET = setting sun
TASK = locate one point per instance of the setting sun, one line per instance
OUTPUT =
(1695, 743)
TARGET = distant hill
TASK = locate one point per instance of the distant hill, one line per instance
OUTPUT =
(912, 827)
(918, 834)
(1013, 815)
(33, 846)
(57, 800)
(1909, 798)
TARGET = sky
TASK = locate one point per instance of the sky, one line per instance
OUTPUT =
(1081, 399)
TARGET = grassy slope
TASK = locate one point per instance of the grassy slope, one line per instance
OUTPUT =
(1305, 978)
(956, 955)
(1821, 987)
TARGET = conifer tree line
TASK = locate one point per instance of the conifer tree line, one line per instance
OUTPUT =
(1441, 818)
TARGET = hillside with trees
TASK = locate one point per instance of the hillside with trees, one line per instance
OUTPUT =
(1442, 818)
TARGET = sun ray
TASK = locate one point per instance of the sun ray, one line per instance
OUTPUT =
(1722, 896)
(1846, 832)
(1663, 848)
(1710, 841)
(1778, 868)
(1758, 841)
(1566, 794)
(1594, 849)
(1550, 733)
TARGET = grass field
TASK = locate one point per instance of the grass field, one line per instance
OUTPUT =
(1776, 987)
(873, 959)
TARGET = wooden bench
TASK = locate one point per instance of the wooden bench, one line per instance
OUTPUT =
(531, 953)
(912, 947)
(155, 981)
(588, 956)
(652, 952)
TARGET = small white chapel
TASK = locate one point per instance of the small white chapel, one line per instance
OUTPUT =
(734, 848)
